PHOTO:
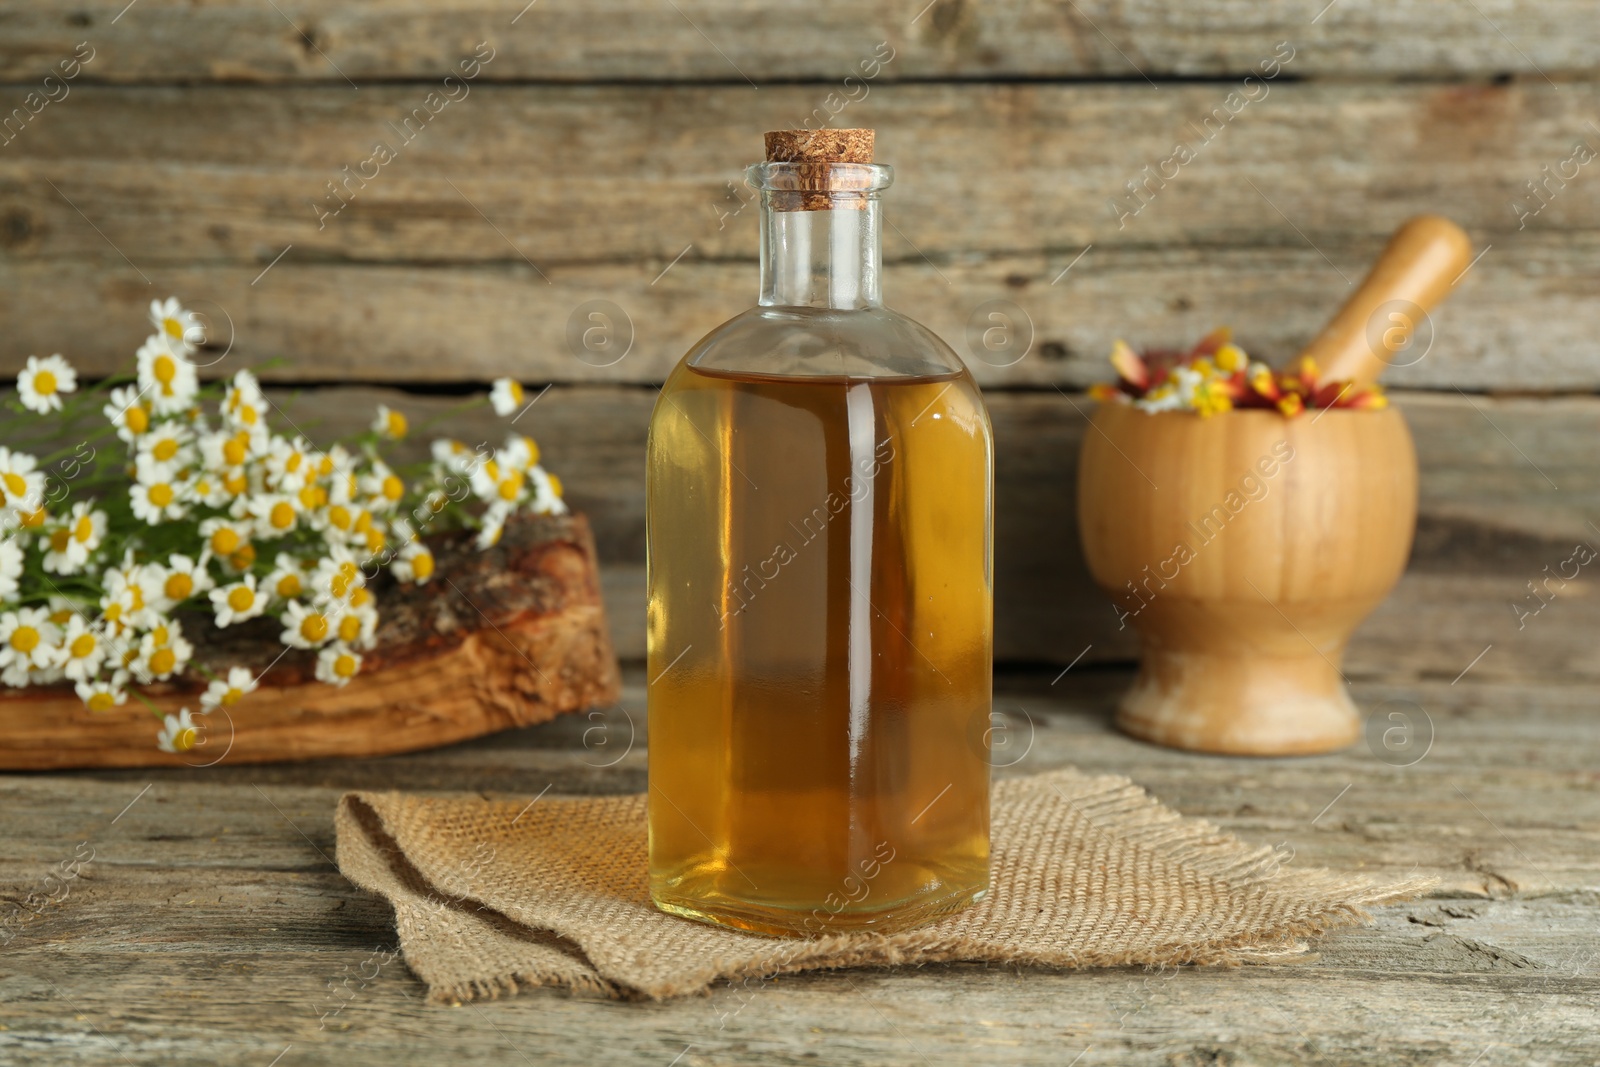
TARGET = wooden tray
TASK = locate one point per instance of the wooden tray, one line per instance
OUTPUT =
(508, 637)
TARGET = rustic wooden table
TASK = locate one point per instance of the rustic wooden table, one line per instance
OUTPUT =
(210, 925)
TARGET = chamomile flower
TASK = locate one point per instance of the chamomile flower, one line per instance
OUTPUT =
(383, 487)
(337, 574)
(180, 328)
(337, 664)
(210, 489)
(492, 525)
(546, 493)
(290, 464)
(21, 483)
(414, 563)
(179, 733)
(224, 450)
(181, 578)
(453, 455)
(104, 695)
(389, 423)
(162, 652)
(305, 626)
(512, 488)
(287, 580)
(157, 495)
(521, 452)
(238, 602)
(506, 396)
(226, 692)
(225, 537)
(70, 545)
(83, 651)
(276, 514)
(168, 445)
(357, 626)
(42, 382)
(244, 406)
(10, 568)
(28, 641)
(129, 412)
(166, 377)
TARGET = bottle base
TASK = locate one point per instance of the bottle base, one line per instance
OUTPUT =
(719, 909)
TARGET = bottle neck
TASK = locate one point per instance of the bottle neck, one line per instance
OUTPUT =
(829, 258)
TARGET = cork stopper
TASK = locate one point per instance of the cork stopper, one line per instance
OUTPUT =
(819, 183)
(820, 146)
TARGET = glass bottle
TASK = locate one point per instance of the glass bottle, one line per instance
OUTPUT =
(820, 592)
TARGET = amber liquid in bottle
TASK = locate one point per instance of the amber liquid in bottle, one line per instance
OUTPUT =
(820, 633)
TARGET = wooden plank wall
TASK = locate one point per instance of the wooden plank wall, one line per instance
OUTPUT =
(595, 154)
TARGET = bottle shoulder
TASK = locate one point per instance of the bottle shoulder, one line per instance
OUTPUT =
(811, 342)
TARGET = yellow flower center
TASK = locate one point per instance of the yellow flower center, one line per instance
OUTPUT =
(165, 370)
(314, 627)
(375, 540)
(173, 327)
(492, 469)
(241, 598)
(160, 635)
(44, 383)
(345, 666)
(84, 530)
(289, 586)
(16, 484)
(136, 419)
(165, 449)
(281, 516)
(511, 487)
(339, 585)
(397, 424)
(161, 494)
(62, 617)
(325, 466)
(25, 639)
(59, 539)
(236, 483)
(243, 559)
(363, 521)
(349, 628)
(248, 414)
(422, 565)
(516, 391)
(224, 542)
(82, 645)
(292, 464)
(100, 701)
(393, 487)
(231, 697)
(555, 484)
(184, 740)
(162, 660)
(339, 516)
(136, 594)
(32, 520)
(113, 612)
(235, 449)
(360, 598)
(308, 497)
(179, 586)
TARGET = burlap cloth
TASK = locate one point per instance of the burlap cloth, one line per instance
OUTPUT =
(491, 896)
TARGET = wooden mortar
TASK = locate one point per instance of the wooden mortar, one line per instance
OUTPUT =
(1245, 548)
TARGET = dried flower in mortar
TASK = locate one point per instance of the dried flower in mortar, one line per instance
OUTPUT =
(1217, 375)
(186, 499)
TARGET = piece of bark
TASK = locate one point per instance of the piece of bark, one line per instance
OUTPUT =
(506, 637)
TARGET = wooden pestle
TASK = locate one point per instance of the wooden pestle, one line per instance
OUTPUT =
(1419, 265)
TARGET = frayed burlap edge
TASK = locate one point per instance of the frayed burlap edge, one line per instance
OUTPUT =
(463, 948)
